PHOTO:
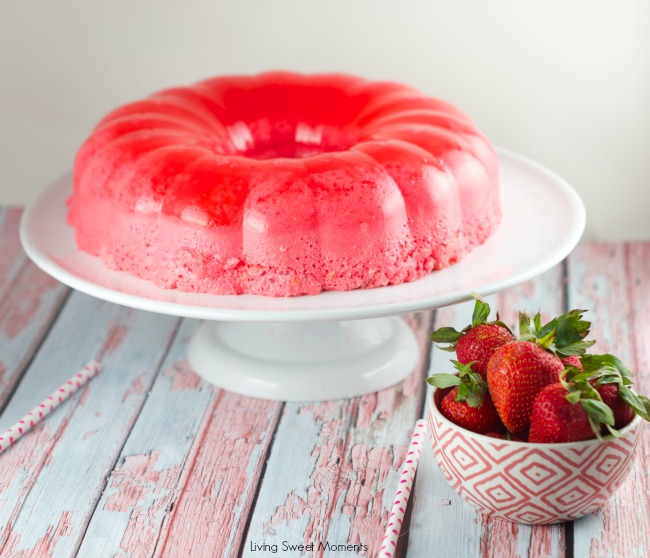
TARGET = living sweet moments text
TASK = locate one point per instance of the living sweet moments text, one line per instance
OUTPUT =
(286, 546)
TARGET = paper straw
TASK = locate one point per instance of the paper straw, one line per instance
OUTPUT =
(396, 517)
(37, 414)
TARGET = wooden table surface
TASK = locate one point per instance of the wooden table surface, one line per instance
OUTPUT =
(149, 460)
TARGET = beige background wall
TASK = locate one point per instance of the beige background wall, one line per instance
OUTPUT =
(566, 82)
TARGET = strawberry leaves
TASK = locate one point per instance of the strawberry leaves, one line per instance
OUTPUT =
(599, 414)
(570, 332)
(593, 363)
(564, 336)
(472, 388)
(444, 381)
(481, 311)
(446, 335)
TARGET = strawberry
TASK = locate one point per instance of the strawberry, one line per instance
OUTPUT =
(608, 392)
(468, 403)
(477, 342)
(613, 382)
(623, 413)
(481, 419)
(557, 419)
(543, 386)
(516, 373)
(592, 398)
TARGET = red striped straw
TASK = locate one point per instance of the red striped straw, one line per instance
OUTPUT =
(37, 414)
(396, 517)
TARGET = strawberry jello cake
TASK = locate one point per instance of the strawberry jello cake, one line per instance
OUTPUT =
(284, 184)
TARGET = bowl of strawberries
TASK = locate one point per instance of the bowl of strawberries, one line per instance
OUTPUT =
(532, 428)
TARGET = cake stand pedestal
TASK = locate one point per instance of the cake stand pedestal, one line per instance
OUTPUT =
(301, 362)
(335, 344)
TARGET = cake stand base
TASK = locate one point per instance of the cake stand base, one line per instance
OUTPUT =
(311, 361)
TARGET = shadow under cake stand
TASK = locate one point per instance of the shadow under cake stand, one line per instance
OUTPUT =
(335, 344)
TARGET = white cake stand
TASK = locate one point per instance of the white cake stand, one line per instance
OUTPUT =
(335, 344)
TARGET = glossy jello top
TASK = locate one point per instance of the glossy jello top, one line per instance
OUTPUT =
(202, 145)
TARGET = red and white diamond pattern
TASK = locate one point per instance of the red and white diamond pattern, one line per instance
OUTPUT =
(528, 483)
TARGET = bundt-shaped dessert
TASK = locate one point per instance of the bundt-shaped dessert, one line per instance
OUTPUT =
(284, 184)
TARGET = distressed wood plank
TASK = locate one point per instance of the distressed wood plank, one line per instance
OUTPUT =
(613, 281)
(29, 301)
(221, 478)
(144, 486)
(194, 457)
(51, 479)
(441, 520)
(28, 307)
(377, 444)
(334, 467)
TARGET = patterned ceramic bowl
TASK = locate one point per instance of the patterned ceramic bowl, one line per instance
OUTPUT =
(530, 483)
